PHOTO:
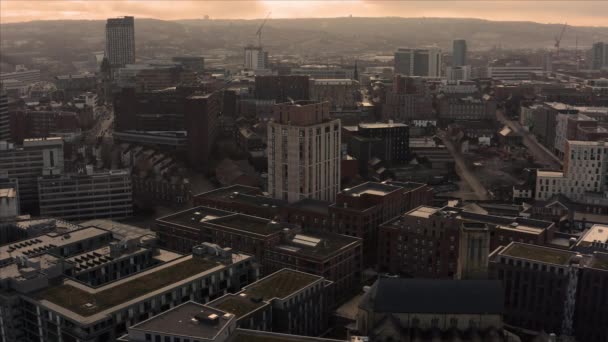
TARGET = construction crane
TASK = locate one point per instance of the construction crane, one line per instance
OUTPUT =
(558, 39)
(259, 31)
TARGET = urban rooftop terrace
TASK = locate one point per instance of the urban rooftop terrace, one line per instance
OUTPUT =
(87, 303)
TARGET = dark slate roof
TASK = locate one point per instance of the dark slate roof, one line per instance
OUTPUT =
(400, 295)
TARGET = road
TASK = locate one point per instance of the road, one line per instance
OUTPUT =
(463, 170)
(103, 125)
(539, 152)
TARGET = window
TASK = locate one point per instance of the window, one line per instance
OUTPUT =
(148, 337)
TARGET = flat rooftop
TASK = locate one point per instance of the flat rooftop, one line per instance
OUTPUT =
(597, 233)
(370, 188)
(237, 304)
(86, 301)
(250, 224)
(280, 284)
(194, 217)
(317, 244)
(538, 253)
(599, 261)
(312, 205)
(245, 335)
(230, 191)
(182, 321)
(423, 211)
(381, 125)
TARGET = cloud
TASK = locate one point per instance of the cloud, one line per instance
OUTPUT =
(588, 13)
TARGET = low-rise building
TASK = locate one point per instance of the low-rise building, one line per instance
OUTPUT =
(340, 93)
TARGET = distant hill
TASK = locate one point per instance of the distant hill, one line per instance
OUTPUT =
(304, 36)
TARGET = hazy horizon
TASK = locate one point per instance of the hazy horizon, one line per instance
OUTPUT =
(577, 13)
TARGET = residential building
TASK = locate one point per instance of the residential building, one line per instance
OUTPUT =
(255, 58)
(287, 301)
(425, 242)
(77, 197)
(120, 41)
(571, 127)
(360, 210)
(418, 62)
(340, 93)
(400, 309)
(41, 301)
(553, 290)
(275, 245)
(5, 127)
(202, 112)
(303, 152)
(27, 162)
(584, 173)
(459, 53)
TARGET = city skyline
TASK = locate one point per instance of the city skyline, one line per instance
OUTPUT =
(580, 13)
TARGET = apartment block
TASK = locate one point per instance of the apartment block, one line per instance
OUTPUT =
(303, 152)
(287, 301)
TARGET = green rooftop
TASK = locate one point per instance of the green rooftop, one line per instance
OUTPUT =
(280, 284)
(599, 263)
(537, 253)
(236, 305)
(75, 299)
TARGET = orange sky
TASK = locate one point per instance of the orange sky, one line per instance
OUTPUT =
(575, 12)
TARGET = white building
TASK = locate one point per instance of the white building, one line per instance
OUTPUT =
(120, 41)
(585, 164)
(512, 73)
(9, 203)
(303, 152)
(255, 58)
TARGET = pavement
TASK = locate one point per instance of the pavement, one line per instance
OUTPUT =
(539, 152)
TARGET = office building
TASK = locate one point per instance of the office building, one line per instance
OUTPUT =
(409, 99)
(24, 77)
(78, 197)
(287, 301)
(192, 63)
(425, 242)
(418, 62)
(31, 124)
(120, 41)
(27, 162)
(5, 125)
(324, 71)
(512, 73)
(386, 141)
(400, 309)
(9, 203)
(453, 107)
(459, 53)
(553, 290)
(150, 77)
(243, 199)
(599, 56)
(46, 275)
(584, 173)
(255, 58)
(458, 73)
(282, 88)
(303, 152)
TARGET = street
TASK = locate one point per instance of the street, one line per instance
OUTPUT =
(462, 169)
(539, 152)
